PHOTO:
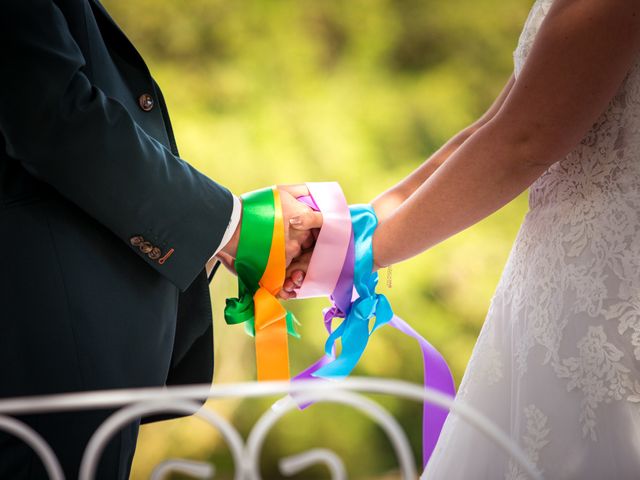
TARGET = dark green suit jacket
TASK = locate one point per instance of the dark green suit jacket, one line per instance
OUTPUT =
(104, 229)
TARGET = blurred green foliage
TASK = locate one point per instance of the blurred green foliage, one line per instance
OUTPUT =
(359, 91)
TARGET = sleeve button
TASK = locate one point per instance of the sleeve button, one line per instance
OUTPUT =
(146, 102)
(145, 247)
(155, 253)
(136, 240)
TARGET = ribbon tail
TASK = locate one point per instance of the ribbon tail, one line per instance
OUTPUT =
(250, 327)
(308, 374)
(240, 310)
(333, 337)
(438, 378)
(292, 321)
(272, 350)
(328, 315)
(354, 341)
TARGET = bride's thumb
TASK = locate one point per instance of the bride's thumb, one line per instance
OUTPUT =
(306, 221)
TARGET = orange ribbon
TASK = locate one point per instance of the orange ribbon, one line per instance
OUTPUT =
(272, 348)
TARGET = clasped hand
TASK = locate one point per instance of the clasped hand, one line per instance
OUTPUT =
(301, 228)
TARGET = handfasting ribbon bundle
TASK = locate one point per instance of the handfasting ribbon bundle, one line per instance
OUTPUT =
(341, 268)
(260, 265)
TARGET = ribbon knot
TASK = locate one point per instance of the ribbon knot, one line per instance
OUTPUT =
(364, 308)
(384, 314)
(332, 312)
(240, 310)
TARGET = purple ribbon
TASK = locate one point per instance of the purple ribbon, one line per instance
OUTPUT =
(439, 378)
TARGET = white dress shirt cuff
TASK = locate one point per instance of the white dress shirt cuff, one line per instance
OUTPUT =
(231, 227)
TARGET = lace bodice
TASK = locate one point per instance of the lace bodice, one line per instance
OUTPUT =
(557, 362)
(577, 255)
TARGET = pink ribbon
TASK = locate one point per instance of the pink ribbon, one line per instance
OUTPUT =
(332, 243)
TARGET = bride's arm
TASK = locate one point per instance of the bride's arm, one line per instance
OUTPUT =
(385, 203)
(581, 54)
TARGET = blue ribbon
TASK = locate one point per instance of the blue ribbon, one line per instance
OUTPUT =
(354, 330)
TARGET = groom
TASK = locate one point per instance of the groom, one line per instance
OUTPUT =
(104, 230)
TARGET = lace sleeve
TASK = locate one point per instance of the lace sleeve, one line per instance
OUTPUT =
(536, 15)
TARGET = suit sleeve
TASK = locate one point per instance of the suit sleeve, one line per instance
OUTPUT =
(69, 134)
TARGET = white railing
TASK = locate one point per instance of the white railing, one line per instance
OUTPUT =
(135, 403)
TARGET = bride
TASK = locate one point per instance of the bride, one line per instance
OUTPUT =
(557, 362)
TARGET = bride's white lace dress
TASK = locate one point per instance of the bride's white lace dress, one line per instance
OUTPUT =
(557, 363)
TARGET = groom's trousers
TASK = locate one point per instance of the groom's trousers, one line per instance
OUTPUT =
(104, 230)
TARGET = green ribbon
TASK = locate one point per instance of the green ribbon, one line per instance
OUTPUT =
(254, 245)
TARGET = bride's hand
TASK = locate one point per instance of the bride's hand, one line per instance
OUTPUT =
(295, 275)
(296, 271)
(298, 238)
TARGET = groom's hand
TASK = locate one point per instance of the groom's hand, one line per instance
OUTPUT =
(306, 221)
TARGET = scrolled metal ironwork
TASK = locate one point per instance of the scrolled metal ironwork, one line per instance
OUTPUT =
(136, 403)
(119, 419)
(294, 464)
(200, 470)
(36, 442)
(371, 409)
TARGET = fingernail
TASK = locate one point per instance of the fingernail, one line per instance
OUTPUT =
(295, 221)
